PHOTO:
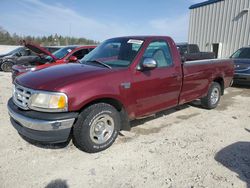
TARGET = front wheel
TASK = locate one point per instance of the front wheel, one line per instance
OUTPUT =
(7, 66)
(96, 128)
(212, 99)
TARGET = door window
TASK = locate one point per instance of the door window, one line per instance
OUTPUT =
(80, 53)
(160, 52)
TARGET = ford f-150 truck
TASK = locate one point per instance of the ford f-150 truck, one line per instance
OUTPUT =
(122, 79)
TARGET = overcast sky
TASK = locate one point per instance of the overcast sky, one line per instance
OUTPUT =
(97, 19)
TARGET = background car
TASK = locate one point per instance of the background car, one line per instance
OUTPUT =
(12, 55)
(22, 54)
(61, 56)
(242, 66)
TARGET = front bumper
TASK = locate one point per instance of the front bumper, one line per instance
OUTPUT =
(40, 126)
(241, 78)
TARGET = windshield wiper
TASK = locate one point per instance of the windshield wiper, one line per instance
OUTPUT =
(99, 62)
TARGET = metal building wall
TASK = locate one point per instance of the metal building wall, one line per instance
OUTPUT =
(226, 22)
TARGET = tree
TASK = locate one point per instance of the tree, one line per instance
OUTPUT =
(14, 39)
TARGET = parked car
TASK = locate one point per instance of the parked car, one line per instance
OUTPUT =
(61, 56)
(12, 55)
(122, 79)
(242, 66)
(191, 52)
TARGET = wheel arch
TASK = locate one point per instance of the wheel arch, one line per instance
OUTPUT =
(117, 104)
(220, 81)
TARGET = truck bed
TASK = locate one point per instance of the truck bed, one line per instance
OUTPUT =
(198, 74)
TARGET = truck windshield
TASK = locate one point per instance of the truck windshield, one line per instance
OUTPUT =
(243, 53)
(118, 52)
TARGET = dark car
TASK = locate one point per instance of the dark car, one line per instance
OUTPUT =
(14, 54)
(242, 66)
(17, 51)
(191, 52)
(28, 54)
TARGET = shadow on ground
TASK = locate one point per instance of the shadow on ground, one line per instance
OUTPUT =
(58, 183)
(133, 123)
(46, 145)
(236, 157)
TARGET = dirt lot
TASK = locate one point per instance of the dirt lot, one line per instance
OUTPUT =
(191, 147)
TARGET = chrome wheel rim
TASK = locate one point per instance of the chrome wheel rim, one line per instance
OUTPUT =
(215, 96)
(101, 129)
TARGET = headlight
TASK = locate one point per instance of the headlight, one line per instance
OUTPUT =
(49, 102)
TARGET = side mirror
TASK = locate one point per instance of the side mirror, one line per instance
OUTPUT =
(73, 59)
(148, 64)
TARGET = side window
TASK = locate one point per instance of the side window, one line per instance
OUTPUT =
(159, 51)
(22, 52)
(80, 53)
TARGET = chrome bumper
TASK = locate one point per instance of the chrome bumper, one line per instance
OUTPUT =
(41, 125)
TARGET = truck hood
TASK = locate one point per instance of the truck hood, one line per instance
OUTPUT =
(39, 50)
(56, 77)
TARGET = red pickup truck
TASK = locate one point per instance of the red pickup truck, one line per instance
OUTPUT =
(122, 79)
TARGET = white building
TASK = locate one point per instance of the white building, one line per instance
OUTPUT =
(221, 26)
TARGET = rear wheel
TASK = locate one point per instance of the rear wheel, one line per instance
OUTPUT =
(7, 66)
(213, 96)
(97, 128)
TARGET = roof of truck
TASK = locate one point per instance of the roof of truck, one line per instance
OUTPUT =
(204, 3)
(143, 37)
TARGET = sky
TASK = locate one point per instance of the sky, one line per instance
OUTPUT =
(97, 19)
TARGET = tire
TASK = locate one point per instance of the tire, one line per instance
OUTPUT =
(212, 99)
(96, 128)
(7, 66)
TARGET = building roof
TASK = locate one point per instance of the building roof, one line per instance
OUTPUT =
(204, 3)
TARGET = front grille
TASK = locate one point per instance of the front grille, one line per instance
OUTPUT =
(21, 96)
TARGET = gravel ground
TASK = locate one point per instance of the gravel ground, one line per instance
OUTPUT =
(191, 147)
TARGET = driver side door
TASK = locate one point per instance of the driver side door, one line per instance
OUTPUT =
(157, 88)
